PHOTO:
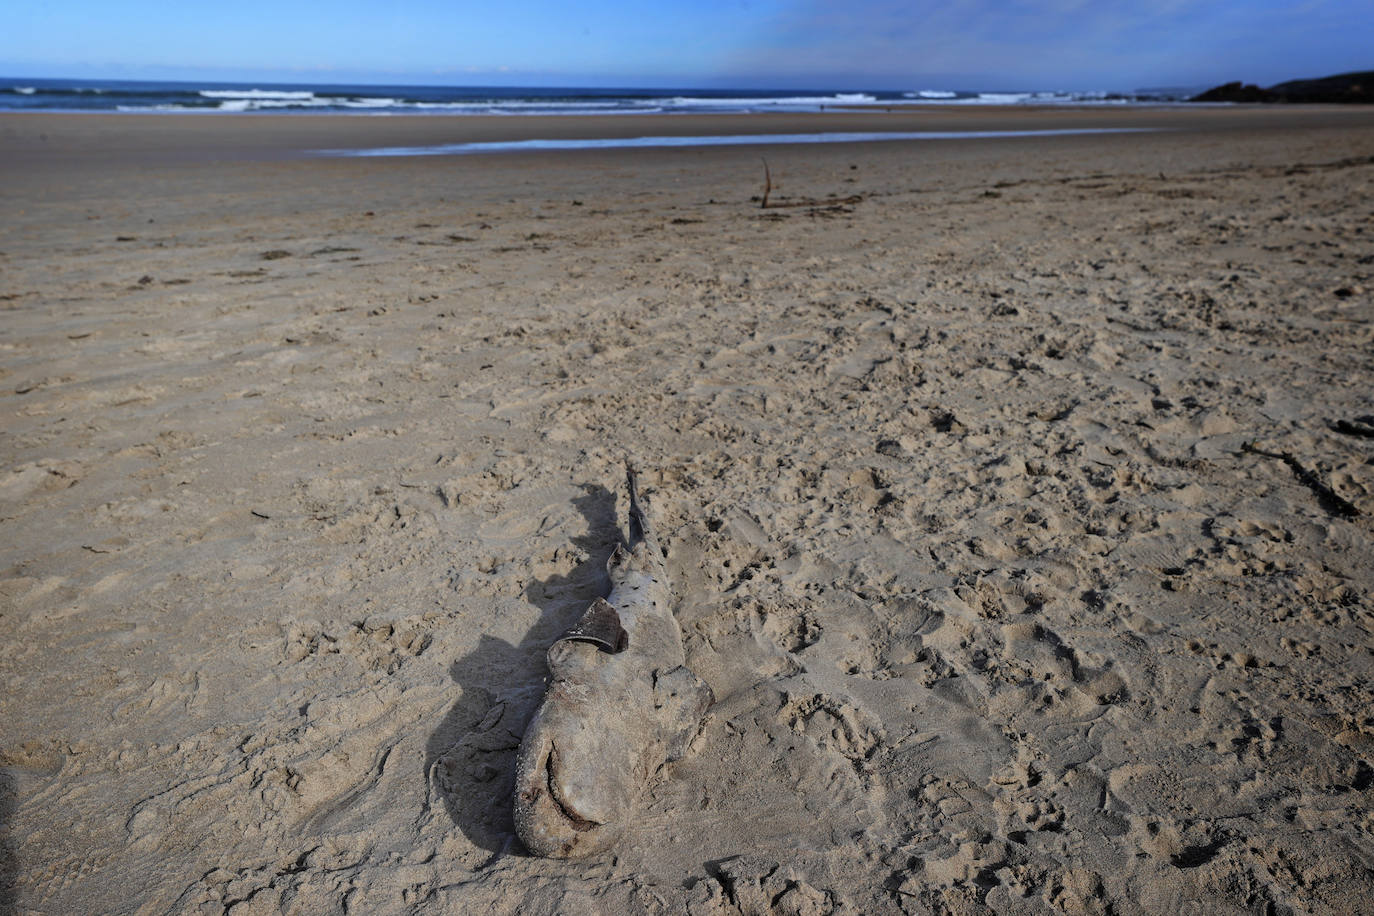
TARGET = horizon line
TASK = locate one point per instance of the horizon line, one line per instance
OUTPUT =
(747, 84)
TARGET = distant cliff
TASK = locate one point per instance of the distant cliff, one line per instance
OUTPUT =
(1345, 88)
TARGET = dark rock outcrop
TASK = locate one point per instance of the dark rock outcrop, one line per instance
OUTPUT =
(1344, 88)
(1235, 92)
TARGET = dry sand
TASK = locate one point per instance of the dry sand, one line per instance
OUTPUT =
(306, 462)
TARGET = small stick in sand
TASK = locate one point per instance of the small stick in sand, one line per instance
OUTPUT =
(620, 704)
(808, 202)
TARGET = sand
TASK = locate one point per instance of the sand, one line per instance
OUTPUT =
(971, 488)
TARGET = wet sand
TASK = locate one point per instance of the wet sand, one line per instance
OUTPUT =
(33, 141)
(1016, 494)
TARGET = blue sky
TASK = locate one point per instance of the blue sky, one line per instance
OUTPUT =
(968, 44)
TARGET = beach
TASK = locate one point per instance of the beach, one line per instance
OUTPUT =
(1016, 492)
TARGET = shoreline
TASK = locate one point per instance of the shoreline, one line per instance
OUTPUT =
(28, 140)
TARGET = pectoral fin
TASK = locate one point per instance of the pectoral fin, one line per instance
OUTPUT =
(680, 700)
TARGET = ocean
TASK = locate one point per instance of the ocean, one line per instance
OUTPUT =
(18, 94)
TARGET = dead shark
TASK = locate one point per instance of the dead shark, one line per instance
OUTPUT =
(620, 703)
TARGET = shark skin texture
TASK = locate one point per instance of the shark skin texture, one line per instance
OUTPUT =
(620, 704)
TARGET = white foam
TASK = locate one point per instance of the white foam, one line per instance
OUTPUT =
(505, 146)
(380, 106)
(944, 97)
(165, 108)
(367, 103)
(257, 104)
(25, 90)
(639, 106)
(1004, 98)
(266, 104)
(496, 106)
(256, 94)
(796, 101)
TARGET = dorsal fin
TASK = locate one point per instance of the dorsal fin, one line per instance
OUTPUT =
(600, 625)
(640, 529)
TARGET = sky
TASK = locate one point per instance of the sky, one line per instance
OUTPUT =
(840, 44)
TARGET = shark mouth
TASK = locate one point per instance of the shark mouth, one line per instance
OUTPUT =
(578, 823)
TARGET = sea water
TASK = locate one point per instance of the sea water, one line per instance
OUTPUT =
(504, 146)
(18, 94)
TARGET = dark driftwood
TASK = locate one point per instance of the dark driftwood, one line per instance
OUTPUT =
(1360, 426)
(1330, 500)
(828, 202)
(808, 202)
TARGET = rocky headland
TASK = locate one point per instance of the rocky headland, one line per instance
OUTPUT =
(1344, 88)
